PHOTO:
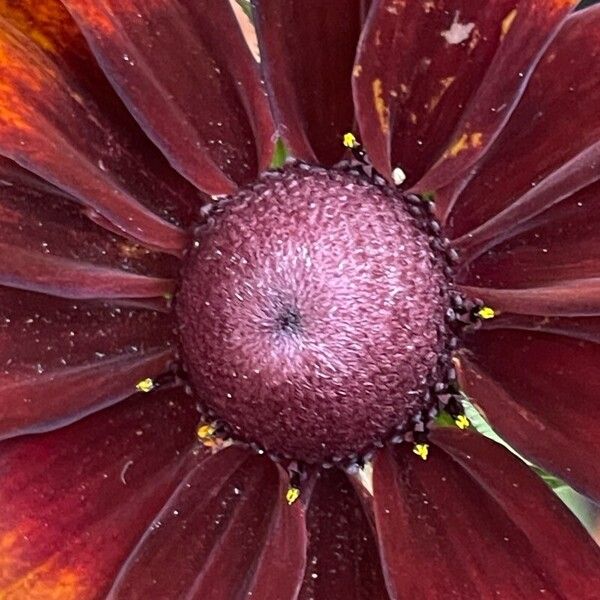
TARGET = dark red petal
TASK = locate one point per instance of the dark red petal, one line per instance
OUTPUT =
(562, 243)
(541, 392)
(418, 64)
(576, 298)
(554, 132)
(480, 526)
(187, 76)
(74, 502)
(218, 533)
(307, 51)
(525, 33)
(70, 130)
(64, 359)
(342, 561)
(581, 328)
(48, 245)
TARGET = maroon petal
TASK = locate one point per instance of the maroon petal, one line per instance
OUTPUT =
(75, 136)
(524, 32)
(417, 66)
(48, 245)
(540, 392)
(581, 328)
(63, 359)
(562, 243)
(343, 562)
(474, 522)
(187, 75)
(307, 52)
(74, 502)
(554, 132)
(577, 298)
(219, 536)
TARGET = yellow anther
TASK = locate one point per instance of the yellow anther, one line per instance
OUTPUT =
(205, 431)
(292, 495)
(145, 385)
(486, 312)
(462, 422)
(350, 140)
(421, 450)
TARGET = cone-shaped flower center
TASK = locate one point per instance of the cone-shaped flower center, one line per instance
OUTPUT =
(312, 314)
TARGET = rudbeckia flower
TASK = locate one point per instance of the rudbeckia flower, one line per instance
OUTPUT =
(226, 378)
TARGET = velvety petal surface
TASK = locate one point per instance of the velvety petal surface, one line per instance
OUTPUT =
(188, 77)
(560, 244)
(74, 502)
(226, 532)
(525, 32)
(550, 268)
(48, 245)
(540, 392)
(575, 297)
(307, 51)
(582, 328)
(438, 80)
(63, 359)
(342, 560)
(475, 522)
(549, 149)
(60, 119)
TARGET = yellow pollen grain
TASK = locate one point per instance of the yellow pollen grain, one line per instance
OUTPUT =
(421, 450)
(486, 312)
(357, 70)
(507, 22)
(145, 385)
(205, 431)
(462, 422)
(350, 140)
(292, 495)
(383, 112)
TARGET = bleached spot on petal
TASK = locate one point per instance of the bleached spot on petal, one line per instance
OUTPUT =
(507, 22)
(458, 32)
(381, 107)
(465, 142)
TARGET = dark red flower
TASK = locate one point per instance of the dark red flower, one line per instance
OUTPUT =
(204, 358)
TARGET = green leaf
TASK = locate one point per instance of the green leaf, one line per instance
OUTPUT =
(245, 5)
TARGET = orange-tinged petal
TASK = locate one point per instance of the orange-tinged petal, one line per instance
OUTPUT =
(73, 503)
(47, 581)
(46, 22)
(60, 119)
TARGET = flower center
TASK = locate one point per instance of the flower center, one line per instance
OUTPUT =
(312, 314)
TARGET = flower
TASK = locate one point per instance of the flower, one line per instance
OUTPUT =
(133, 135)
